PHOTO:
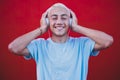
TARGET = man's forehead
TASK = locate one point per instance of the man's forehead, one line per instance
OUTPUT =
(58, 11)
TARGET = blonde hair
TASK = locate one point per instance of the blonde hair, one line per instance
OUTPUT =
(58, 5)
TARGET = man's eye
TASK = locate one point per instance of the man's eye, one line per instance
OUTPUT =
(64, 18)
(54, 18)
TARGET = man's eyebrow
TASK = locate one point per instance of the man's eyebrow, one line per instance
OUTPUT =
(54, 15)
(60, 15)
(64, 15)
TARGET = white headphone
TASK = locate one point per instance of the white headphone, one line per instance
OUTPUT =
(47, 21)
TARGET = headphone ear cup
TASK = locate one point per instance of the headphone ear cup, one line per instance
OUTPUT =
(70, 24)
(47, 21)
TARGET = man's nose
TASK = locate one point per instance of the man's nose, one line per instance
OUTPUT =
(59, 21)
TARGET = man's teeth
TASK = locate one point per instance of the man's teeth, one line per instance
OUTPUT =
(59, 28)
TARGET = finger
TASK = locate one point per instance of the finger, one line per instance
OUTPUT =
(44, 15)
(73, 15)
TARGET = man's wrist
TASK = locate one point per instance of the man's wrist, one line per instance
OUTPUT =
(40, 30)
(75, 28)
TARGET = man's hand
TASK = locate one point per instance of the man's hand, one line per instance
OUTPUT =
(74, 21)
(43, 23)
(102, 40)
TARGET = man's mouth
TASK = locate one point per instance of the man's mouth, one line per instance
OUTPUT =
(59, 28)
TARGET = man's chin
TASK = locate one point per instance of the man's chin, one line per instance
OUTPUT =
(59, 34)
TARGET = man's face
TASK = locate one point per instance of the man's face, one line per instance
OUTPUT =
(59, 21)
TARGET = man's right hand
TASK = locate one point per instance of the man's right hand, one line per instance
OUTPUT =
(43, 23)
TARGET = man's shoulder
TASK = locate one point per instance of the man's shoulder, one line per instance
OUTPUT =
(79, 38)
(38, 40)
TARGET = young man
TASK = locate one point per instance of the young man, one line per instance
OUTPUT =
(61, 57)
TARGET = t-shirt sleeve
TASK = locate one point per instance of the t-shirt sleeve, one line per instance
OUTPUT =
(93, 52)
(34, 48)
(89, 46)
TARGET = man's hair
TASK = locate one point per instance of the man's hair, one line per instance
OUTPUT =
(58, 5)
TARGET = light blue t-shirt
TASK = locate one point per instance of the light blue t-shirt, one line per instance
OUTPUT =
(62, 61)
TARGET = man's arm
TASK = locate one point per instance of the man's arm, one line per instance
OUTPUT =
(102, 40)
(18, 46)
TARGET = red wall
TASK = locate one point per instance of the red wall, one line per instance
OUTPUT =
(20, 16)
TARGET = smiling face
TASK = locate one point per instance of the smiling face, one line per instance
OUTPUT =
(59, 21)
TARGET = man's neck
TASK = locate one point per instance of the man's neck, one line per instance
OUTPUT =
(60, 39)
